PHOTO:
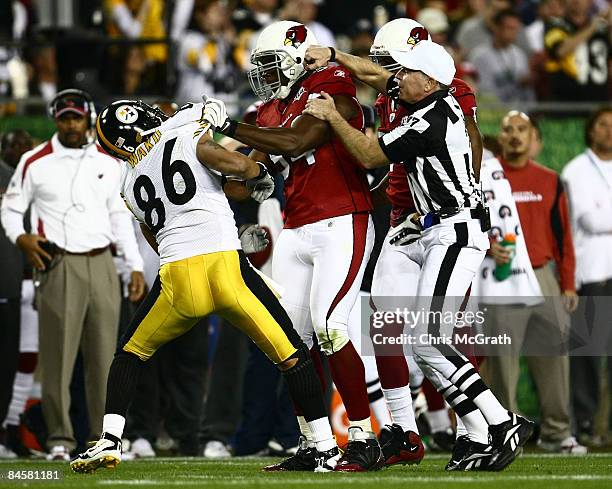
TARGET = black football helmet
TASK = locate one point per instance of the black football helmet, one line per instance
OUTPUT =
(124, 124)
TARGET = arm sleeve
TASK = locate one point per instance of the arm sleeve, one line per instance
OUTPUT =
(564, 244)
(464, 95)
(123, 230)
(404, 142)
(127, 24)
(16, 201)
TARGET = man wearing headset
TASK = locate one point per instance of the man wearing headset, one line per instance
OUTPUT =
(72, 186)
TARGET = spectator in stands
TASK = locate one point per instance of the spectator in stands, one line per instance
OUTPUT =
(589, 181)
(306, 12)
(540, 329)
(477, 30)
(72, 186)
(248, 21)
(205, 61)
(578, 46)
(142, 65)
(12, 145)
(547, 10)
(436, 23)
(502, 67)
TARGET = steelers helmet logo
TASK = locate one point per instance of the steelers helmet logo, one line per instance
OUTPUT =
(126, 114)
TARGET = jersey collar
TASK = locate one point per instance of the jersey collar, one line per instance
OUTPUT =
(425, 102)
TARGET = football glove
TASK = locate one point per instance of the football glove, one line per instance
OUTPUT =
(253, 238)
(262, 186)
(215, 112)
(408, 231)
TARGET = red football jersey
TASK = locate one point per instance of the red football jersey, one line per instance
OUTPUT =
(391, 115)
(327, 181)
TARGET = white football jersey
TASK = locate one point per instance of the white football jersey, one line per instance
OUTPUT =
(177, 197)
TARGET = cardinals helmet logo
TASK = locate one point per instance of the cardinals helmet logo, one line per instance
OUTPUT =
(416, 35)
(295, 36)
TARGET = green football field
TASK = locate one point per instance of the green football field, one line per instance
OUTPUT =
(531, 470)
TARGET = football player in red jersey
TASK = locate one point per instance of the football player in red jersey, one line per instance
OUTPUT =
(395, 275)
(321, 254)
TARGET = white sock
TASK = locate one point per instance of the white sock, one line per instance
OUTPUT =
(490, 407)
(304, 427)
(113, 424)
(438, 420)
(381, 412)
(461, 429)
(322, 435)
(364, 424)
(476, 427)
(22, 386)
(399, 402)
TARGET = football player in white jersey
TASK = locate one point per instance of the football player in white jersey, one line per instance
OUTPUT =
(172, 182)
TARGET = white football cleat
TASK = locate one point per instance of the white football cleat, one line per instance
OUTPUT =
(105, 453)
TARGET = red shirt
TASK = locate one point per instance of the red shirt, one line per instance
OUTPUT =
(391, 115)
(543, 209)
(327, 181)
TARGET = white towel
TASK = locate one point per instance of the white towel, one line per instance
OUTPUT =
(522, 286)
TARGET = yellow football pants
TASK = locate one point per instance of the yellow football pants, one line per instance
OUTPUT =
(223, 283)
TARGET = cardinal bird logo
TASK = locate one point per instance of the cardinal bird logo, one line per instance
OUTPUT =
(416, 35)
(296, 35)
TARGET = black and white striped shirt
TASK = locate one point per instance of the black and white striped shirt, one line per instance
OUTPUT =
(434, 147)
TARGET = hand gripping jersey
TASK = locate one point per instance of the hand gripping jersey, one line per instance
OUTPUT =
(391, 115)
(177, 197)
(327, 181)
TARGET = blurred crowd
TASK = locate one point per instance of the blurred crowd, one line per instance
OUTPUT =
(521, 50)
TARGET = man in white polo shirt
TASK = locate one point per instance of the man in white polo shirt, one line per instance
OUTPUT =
(73, 188)
(588, 178)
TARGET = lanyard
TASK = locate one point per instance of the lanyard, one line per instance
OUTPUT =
(599, 170)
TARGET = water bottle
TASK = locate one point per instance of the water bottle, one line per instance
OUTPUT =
(503, 270)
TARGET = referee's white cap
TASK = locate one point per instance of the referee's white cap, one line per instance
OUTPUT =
(429, 57)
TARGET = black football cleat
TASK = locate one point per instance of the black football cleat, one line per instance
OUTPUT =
(362, 453)
(469, 455)
(444, 440)
(304, 460)
(507, 440)
(400, 447)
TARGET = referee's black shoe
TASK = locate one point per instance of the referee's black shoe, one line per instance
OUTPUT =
(507, 439)
(469, 455)
(304, 460)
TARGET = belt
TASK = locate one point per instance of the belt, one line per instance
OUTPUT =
(94, 252)
(435, 217)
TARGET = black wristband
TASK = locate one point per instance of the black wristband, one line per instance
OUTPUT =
(332, 57)
(230, 130)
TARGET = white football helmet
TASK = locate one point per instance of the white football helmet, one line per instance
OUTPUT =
(278, 57)
(396, 35)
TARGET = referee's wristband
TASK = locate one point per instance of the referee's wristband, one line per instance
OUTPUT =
(332, 56)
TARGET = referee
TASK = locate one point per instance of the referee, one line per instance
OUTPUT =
(446, 236)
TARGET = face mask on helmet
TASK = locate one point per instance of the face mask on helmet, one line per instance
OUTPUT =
(278, 58)
(396, 35)
(125, 124)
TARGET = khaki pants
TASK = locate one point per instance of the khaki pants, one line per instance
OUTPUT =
(538, 328)
(78, 305)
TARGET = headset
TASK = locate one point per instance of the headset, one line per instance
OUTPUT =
(74, 92)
